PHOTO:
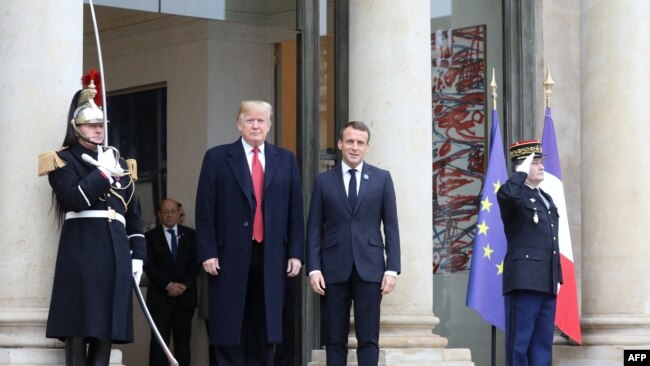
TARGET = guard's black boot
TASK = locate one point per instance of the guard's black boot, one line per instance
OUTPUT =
(99, 352)
(75, 351)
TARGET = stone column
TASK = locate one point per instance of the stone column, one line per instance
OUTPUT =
(390, 90)
(615, 160)
(41, 48)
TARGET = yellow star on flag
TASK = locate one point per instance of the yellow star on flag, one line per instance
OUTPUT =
(482, 228)
(485, 204)
(487, 251)
(500, 268)
(496, 185)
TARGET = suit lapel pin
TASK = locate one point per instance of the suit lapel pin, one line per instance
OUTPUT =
(366, 177)
(532, 200)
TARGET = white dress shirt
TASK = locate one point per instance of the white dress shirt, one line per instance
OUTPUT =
(248, 149)
(347, 176)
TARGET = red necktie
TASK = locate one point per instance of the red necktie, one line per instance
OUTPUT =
(258, 188)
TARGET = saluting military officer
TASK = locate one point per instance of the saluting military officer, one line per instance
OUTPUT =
(102, 243)
(531, 270)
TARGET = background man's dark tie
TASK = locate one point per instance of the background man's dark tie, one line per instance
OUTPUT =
(174, 244)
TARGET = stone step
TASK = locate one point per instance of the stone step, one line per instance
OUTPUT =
(423, 363)
(590, 355)
(407, 356)
(43, 357)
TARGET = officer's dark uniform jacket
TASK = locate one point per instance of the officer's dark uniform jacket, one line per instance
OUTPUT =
(91, 295)
(532, 260)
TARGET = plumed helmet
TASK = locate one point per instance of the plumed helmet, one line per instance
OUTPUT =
(87, 110)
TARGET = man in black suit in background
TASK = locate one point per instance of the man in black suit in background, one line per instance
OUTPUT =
(172, 296)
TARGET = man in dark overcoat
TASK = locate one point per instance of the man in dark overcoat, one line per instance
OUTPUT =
(250, 236)
(531, 270)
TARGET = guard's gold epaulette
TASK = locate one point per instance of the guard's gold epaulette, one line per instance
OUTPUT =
(133, 168)
(49, 161)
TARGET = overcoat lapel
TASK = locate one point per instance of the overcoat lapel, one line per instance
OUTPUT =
(239, 167)
(271, 164)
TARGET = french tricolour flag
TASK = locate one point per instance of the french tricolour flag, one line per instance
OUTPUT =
(566, 316)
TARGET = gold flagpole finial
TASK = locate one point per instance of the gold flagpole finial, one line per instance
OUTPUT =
(493, 84)
(548, 85)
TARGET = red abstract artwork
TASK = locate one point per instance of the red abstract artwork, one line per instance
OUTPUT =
(459, 141)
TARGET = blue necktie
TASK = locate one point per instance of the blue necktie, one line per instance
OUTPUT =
(352, 188)
(541, 197)
(174, 243)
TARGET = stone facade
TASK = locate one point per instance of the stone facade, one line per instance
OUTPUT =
(597, 50)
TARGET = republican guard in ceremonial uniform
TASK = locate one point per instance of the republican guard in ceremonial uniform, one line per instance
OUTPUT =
(102, 245)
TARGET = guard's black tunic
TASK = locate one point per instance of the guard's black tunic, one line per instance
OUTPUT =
(532, 260)
(91, 295)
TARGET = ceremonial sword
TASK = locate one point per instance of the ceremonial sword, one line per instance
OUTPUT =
(154, 329)
(136, 286)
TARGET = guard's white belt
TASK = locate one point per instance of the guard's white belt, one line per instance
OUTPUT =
(101, 214)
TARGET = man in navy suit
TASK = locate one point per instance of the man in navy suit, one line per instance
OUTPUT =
(345, 247)
(531, 269)
(171, 268)
(250, 231)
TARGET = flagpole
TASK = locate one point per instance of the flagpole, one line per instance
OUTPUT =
(493, 332)
(485, 285)
(494, 346)
(548, 85)
(567, 317)
(493, 85)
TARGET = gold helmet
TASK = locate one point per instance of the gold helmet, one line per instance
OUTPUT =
(87, 106)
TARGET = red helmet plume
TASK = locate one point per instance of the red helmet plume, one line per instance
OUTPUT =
(96, 79)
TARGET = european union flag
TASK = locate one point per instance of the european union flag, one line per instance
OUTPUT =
(484, 290)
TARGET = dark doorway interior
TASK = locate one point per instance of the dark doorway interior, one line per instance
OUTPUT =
(138, 128)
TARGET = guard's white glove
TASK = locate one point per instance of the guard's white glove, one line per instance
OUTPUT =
(106, 162)
(106, 173)
(90, 160)
(87, 158)
(525, 166)
(136, 265)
